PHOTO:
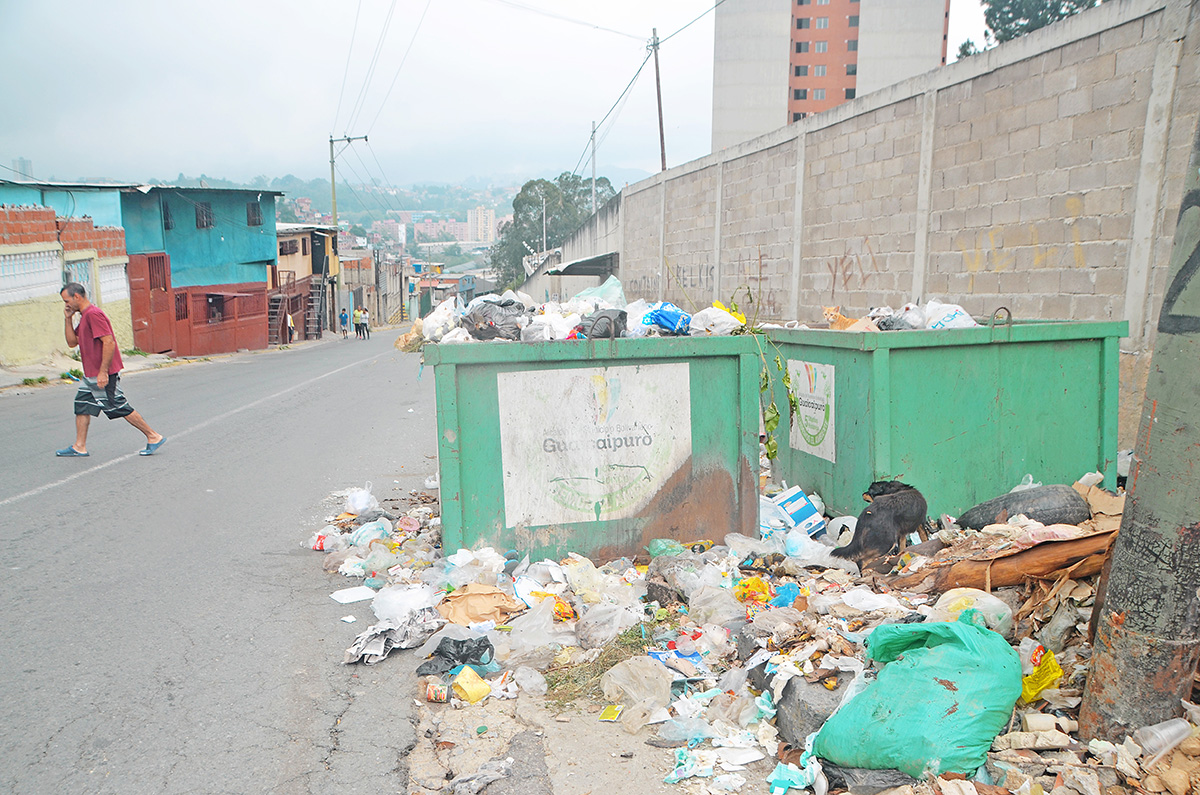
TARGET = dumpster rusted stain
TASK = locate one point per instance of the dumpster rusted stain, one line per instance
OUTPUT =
(946, 683)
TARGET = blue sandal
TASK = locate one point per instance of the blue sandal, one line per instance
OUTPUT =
(70, 452)
(151, 449)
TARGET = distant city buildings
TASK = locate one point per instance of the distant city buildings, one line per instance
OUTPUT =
(777, 61)
(23, 167)
(481, 225)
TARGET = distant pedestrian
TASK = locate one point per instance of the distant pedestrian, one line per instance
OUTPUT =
(100, 388)
(345, 319)
(358, 332)
(366, 323)
(291, 328)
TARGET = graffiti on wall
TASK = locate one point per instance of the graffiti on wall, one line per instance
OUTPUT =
(852, 270)
(986, 252)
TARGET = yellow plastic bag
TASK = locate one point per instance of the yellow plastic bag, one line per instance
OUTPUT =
(752, 589)
(1046, 674)
(470, 687)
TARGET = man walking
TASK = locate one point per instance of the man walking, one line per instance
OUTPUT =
(100, 388)
(345, 319)
(358, 322)
(366, 324)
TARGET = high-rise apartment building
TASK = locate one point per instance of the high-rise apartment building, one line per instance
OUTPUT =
(777, 61)
(481, 225)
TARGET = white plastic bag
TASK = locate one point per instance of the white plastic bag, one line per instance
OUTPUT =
(456, 336)
(359, 501)
(996, 614)
(943, 316)
(633, 319)
(638, 679)
(913, 315)
(440, 321)
(397, 602)
(714, 322)
(602, 623)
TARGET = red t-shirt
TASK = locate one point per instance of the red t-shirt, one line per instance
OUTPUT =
(94, 324)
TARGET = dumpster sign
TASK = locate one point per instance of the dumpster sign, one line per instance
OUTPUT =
(812, 426)
(592, 443)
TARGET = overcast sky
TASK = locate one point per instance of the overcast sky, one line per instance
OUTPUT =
(141, 89)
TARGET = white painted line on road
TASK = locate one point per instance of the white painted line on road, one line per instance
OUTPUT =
(46, 487)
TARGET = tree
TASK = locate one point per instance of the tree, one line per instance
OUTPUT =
(568, 204)
(285, 213)
(967, 49)
(1008, 19)
(358, 231)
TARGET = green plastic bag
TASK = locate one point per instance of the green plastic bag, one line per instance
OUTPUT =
(664, 546)
(946, 690)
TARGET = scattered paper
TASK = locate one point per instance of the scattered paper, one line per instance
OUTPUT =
(349, 619)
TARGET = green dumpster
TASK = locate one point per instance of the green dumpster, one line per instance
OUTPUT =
(961, 414)
(596, 446)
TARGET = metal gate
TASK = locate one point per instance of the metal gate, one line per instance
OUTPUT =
(151, 302)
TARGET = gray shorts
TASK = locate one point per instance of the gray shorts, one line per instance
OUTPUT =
(91, 399)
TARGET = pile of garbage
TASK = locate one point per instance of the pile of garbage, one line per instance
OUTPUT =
(603, 313)
(955, 667)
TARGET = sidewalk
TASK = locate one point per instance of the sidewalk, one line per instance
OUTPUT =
(53, 367)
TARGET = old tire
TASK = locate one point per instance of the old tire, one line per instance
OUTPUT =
(1055, 504)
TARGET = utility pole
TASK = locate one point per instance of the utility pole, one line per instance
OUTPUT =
(333, 197)
(543, 227)
(593, 168)
(1148, 614)
(662, 139)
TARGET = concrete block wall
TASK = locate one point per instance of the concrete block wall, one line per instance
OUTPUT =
(1043, 175)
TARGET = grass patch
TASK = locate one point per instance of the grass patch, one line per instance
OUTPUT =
(570, 683)
(74, 374)
(34, 381)
(134, 352)
(74, 354)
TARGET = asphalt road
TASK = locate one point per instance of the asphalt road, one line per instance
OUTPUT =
(163, 630)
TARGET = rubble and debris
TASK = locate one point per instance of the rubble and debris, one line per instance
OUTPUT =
(966, 659)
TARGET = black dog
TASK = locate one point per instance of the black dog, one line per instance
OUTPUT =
(896, 510)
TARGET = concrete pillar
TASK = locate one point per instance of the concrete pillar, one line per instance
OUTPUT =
(1151, 170)
(798, 224)
(924, 191)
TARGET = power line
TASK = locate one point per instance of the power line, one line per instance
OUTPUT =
(610, 110)
(363, 182)
(387, 209)
(564, 18)
(346, 73)
(392, 85)
(386, 181)
(688, 25)
(622, 97)
(362, 94)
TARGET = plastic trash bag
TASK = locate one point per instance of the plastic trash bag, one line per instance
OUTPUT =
(709, 605)
(664, 546)
(667, 317)
(537, 628)
(530, 681)
(714, 322)
(451, 653)
(638, 679)
(686, 729)
(996, 614)
(359, 501)
(944, 693)
(634, 314)
(609, 294)
(943, 316)
(397, 601)
(605, 324)
(441, 320)
(364, 534)
(457, 336)
(602, 623)
(489, 319)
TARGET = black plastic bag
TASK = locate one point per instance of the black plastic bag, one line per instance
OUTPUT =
(451, 653)
(490, 319)
(607, 323)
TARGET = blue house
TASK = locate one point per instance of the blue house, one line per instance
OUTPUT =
(200, 263)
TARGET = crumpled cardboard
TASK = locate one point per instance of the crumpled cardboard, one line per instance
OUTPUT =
(474, 603)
